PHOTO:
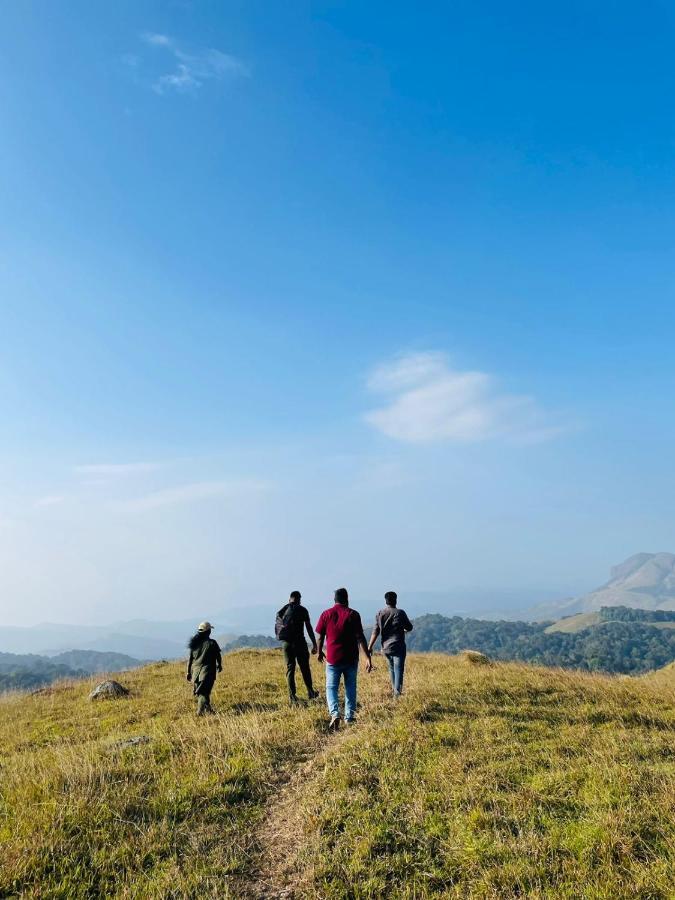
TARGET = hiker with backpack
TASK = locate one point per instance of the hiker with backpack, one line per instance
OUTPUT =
(391, 625)
(292, 620)
(204, 661)
(341, 630)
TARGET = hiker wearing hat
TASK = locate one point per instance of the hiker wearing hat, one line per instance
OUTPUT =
(204, 661)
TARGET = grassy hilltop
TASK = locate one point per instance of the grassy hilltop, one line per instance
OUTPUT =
(484, 781)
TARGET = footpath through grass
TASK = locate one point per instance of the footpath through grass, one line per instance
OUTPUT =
(483, 781)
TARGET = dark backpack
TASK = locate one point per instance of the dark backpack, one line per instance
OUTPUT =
(283, 627)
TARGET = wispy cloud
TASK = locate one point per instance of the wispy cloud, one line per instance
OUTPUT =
(190, 493)
(50, 500)
(427, 400)
(190, 69)
(117, 470)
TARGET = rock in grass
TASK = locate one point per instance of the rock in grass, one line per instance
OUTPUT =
(475, 658)
(108, 690)
(131, 742)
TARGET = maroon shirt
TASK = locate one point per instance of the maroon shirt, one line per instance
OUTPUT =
(342, 628)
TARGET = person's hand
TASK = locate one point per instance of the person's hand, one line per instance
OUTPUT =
(321, 656)
(314, 650)
(220, 668)
(189, 677)
(369, 664)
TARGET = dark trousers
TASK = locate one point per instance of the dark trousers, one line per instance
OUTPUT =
(204, 679)
(297, 653)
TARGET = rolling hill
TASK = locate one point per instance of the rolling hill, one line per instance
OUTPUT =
(664, 619)
(488, 781)
(643, 581)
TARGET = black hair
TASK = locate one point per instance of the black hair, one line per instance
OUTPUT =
(391, 597)
(198, 639)
(341, 596)
(295, 595)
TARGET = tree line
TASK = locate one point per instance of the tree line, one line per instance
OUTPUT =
(623, 643)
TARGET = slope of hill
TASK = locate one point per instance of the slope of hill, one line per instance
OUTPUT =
(644, 581)
(656, 618)
(484, 781)
(664, 677)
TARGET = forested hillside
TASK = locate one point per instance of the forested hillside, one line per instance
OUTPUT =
(627, 641)
(26, 671)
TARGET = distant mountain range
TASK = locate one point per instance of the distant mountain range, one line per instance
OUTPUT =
(643, 581)
(646, 580)
(145, 639)
(30, 670)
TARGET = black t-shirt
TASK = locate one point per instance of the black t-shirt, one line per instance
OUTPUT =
(296, 617)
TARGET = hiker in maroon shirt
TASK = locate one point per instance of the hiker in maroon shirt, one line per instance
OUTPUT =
(341, 630)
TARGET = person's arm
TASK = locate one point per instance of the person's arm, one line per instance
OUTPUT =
(219, 658)
(375, 635)
(310, 632)
(361, 638)
(407, 625)
(189, 667)
(321, 631)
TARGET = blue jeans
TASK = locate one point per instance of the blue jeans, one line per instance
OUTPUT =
(333, 675)
(396, 669)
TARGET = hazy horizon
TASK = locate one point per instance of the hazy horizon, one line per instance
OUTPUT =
(298, 296)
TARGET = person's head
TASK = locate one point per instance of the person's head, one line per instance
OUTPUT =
(201, 635)
(390, 598)
(295, 597)
(342, 597)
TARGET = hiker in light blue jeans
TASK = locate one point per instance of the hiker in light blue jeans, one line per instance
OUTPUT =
(333, 674)
(396, 669)
(341, 632)
(391, 625)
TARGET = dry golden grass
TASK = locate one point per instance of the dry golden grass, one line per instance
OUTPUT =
(483, 781)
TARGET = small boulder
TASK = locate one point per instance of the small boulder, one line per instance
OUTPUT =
(475, 658)
(108, 690)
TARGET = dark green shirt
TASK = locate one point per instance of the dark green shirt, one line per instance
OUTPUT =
(205, 656)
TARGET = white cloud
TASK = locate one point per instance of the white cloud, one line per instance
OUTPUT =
(50, 500)
(191, 69)
(189, 493)
(117, 470)
(429, 401)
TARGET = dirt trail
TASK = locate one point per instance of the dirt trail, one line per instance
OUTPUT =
(272, 875)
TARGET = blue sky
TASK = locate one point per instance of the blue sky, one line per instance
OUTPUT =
(311, 293)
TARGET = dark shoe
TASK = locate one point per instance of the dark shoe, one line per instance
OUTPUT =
(334, 724)
(294, 701)
(313, 695)
(350, 721)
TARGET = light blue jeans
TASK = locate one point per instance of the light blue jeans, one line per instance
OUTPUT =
(333, 675)
(396, 669)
